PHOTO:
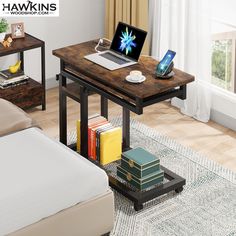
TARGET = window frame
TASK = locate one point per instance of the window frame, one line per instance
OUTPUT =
(231, 35)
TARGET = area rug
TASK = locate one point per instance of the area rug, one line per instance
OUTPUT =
(207, 205)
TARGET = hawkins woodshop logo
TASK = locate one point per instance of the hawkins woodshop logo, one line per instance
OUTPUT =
(13, 8)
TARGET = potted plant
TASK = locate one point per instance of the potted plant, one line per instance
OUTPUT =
(3, 29)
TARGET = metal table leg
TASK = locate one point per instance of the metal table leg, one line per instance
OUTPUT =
(104, 107)
(84, 121)
(126, 128)
(22, 60)
(62, 109)
(43, 76)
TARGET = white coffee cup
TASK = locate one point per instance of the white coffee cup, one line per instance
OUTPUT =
(135, 75)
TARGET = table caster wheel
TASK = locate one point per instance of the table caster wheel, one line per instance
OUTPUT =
(179, 190)
(138, 207)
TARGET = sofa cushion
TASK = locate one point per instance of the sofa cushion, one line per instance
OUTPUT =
(12, 118)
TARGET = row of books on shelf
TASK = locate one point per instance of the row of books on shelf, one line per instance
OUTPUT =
(8, 80)
(104, 140)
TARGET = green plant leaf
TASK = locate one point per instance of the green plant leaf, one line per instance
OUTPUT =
(3, 25)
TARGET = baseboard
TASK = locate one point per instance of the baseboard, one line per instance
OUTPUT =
(222, 119)
(216, 116)
(52, 83)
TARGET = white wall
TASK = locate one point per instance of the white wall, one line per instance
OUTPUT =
(224, 10)
(79, 20)
(223, 102)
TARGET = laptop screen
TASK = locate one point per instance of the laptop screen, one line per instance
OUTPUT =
(128, 41)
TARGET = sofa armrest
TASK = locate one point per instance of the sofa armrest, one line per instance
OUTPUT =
(12, 118)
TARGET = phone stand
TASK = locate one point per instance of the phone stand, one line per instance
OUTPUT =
(169, 73)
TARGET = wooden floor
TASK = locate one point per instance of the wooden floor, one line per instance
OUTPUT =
(212, 140)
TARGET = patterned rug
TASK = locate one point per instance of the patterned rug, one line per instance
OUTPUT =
(207, 206)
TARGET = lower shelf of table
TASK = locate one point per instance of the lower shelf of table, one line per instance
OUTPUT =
(172, 182)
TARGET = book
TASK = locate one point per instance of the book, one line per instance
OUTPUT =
(90, 127)
(4, 81)
(110, 145)
(78, 129)
(6, 86)
(141, 183)
(98, 146)
(139, 162)
(8, 75)
(97, 140)
(142, 158)
(93, 138)
(92, 119)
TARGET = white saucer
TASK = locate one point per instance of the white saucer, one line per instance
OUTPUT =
(129, 79)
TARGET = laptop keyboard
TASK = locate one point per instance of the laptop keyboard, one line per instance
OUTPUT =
(114, 58)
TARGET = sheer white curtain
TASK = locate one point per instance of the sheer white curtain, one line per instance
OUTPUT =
(184, 26)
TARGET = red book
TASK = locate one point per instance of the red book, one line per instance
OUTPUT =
(90, 136)
(93, 139)
(92, 120)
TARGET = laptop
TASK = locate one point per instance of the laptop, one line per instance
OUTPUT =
(125, 48)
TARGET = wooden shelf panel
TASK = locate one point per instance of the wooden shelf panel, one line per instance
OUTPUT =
(24, 96)
(21, 44)
(98, 84)
(73, 91)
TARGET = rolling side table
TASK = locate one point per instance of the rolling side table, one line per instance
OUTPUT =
(132, 97)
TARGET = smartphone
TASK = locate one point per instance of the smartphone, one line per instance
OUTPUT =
(164, 64)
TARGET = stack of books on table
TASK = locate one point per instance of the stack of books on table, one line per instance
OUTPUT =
(104, 140)
(140, 168)
(8, 80)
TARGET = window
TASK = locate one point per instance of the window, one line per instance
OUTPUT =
(223, 60)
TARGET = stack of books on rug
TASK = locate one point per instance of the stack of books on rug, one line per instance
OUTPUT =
(8, 79)
(104, 140)
(140, 169)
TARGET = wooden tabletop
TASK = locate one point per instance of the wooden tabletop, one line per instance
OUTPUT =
(21, 44)
(74, 56)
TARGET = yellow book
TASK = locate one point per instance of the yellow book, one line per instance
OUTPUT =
(110, 145)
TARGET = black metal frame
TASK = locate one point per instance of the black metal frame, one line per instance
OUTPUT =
(175, 182)
(21, 56)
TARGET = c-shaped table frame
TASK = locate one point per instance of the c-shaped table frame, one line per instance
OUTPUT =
(175, 182)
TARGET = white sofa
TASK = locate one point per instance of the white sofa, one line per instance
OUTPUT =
(46, 188)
